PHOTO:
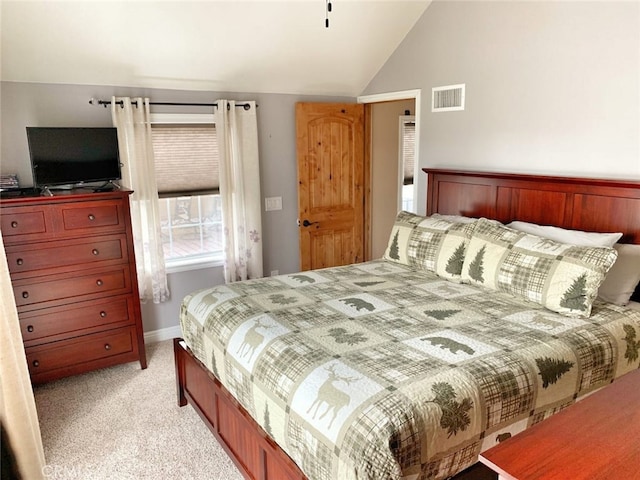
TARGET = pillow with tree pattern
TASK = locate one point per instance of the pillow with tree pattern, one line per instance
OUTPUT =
(432, 243)
(561, 277)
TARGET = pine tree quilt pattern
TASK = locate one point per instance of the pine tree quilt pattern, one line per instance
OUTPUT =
(564, 278)
(381, 370)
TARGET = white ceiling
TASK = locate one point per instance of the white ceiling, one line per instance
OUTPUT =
(233, 46)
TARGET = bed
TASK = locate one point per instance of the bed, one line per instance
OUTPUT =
(385, 370)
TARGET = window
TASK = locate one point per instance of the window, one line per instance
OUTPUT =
(186, 156)
(407, 158)
(191, 228)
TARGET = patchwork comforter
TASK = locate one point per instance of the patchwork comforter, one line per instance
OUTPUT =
(377, 370)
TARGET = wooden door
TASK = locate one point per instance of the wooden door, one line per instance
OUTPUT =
(330, 147)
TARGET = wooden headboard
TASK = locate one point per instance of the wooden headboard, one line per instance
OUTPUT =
(575, 203)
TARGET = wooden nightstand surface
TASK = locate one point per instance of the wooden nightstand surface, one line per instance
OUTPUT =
(598, 438)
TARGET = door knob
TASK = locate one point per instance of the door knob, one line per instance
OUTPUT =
(306, 223)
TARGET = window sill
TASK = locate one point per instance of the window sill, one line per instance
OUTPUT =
(176, 266)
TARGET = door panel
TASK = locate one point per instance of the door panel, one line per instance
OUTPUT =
(330, 147)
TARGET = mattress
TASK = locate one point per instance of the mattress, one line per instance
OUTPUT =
(377, 370)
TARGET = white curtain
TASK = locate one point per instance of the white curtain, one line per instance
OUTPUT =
(138, 174)
(17, 405)
(237, 131)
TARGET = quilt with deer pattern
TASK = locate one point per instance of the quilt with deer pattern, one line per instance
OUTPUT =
(377, 370)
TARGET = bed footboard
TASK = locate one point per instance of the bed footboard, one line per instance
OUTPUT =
(254, 453)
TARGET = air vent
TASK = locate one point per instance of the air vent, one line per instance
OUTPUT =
(448, 98)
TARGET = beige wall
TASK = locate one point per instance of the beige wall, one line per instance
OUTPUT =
(384, 169)
(39, 105)
(552, 87)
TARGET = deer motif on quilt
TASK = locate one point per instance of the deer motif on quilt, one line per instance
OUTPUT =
(253, 338)
(328, 394)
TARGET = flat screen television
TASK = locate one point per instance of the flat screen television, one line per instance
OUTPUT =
(70, 156)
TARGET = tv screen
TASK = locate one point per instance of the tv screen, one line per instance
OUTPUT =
(72, 156)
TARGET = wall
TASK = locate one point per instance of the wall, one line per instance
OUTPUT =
(551, 87)
(157, 316)
(384, 170)
(31, 104)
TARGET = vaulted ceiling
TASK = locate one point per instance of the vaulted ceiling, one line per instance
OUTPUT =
(225, 46)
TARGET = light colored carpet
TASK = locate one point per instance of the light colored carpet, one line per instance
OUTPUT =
(124, 423)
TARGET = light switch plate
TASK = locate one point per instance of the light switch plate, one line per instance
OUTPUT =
(272, 203)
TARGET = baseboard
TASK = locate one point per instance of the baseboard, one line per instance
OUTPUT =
(162, 334)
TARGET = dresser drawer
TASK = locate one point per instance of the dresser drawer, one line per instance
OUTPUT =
(91, 216)
(57, 323)
(52, 219)
(58, 289)
(19, 221)
(66, 254)
(80, 353)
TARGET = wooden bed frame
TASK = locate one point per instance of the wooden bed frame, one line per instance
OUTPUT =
(574, 203)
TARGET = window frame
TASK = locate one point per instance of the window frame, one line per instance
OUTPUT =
(208, 261)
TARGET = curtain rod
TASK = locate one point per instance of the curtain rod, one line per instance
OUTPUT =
(104, 103)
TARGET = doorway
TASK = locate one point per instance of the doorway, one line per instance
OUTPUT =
(386, 177)
(381, 185)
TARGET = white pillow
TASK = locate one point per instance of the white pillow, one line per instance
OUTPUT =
(624, 276)
(571, 237)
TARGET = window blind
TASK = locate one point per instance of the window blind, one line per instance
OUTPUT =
(186, 158)
(408, 150)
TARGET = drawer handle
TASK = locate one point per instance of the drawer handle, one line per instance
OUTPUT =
(36, 363)
(99, 282)
(25, 294)
(107, 346)
(95, 251)
(103, 314)
(19, 261)
(14, 224)
(29, 328)
(92, 217)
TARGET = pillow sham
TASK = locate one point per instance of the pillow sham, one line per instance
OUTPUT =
(572, 237)
(455, 218)
(624, 276)
(429, 243)
(403, 226)
(561, 277)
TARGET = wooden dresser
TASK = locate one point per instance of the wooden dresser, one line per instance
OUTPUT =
(73, 274)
